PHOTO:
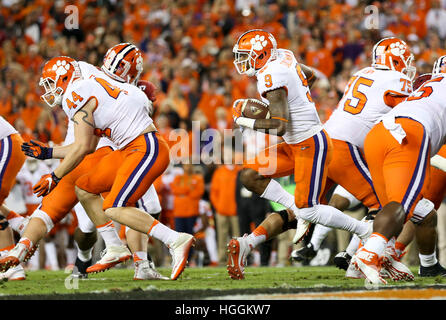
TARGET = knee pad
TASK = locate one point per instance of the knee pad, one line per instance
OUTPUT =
(45, 218)
(287, 225)
(422, 209)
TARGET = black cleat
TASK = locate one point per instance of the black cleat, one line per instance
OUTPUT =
(433, 271)
(80, 268)
(304, 254)
(342, 260)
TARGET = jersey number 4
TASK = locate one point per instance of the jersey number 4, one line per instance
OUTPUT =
(113, 91)
(356, 93)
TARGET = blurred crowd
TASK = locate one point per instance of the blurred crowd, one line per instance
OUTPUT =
(187, 46)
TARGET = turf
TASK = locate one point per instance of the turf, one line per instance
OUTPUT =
(194, 283)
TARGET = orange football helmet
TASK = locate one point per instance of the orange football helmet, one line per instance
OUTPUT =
(393, 54)
(439, 66)
(58, 73)
(253, 50)
(123, 62)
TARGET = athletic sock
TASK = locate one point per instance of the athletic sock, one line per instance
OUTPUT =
(428, 260)
(377, 243)
(353, 245)
(275, 192)
(163, 233)
(258, 236)
(319, 234)
(399, 248)
(109, 234)
(84, 255)
(139, 256)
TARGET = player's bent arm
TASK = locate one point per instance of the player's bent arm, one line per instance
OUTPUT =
(309, 74)
(85, 141)
(278, 108)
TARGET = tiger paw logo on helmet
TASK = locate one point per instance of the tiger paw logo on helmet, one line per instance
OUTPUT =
(258, 42)
(397, 48)
(61, 67)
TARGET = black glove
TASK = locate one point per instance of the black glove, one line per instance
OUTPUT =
(37, 150)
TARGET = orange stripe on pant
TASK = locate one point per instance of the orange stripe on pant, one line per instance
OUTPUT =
(59, 202)
(11, 160)
(307, 160)
(128, 173)
(349, 169)
(399, 171)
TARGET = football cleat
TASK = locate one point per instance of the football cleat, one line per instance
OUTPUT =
(304, 254)
(80, 268)
(110, 257)
(353, 273)
(432, 271)
(145, 270)
(369, 264)
(14, 257)
(238, 250)
(303, 227)
(180, 252)
(342, 260)
(395, 268)
(31, 252)
(14, 274)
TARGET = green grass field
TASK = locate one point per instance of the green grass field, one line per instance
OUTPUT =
(195, 283)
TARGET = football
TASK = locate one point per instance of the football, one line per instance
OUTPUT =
(418, 82)
(255, 109)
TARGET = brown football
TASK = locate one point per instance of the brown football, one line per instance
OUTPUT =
(255, 109)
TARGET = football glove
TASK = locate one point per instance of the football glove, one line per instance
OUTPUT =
(3, 222)
(38, 150)
(237, 109)
(46, 184)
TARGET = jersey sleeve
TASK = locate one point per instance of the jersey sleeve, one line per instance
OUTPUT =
(77, 95)
(273, 77)
(397, 90)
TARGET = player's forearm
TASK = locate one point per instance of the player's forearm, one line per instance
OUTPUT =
(309, 74)
(271, 126)
(75, 155)
(60, 152)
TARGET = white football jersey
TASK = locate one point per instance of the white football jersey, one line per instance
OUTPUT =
(28, 176)
(427, 105)
(5, 128)
(285, 72)
(122, 113)
(87, 71)
(363, 103)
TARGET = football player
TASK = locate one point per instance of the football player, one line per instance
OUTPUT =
(306, 151)
(398, 150)
(54, 95)
(11, 160)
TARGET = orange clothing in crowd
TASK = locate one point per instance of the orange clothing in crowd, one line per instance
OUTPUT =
(208, 104)
(187, 190)
(321, 60)
(222, 193)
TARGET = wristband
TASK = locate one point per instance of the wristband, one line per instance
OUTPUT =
(246, 122)
(55, 178)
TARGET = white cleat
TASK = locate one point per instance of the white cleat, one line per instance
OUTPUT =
(238, 250)
(368, 263)
(113, 255)
(353, 273)
(145, 270)
(303, 226)
(180, 252)
(394, 267)
(14, 257)
(16, 273)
